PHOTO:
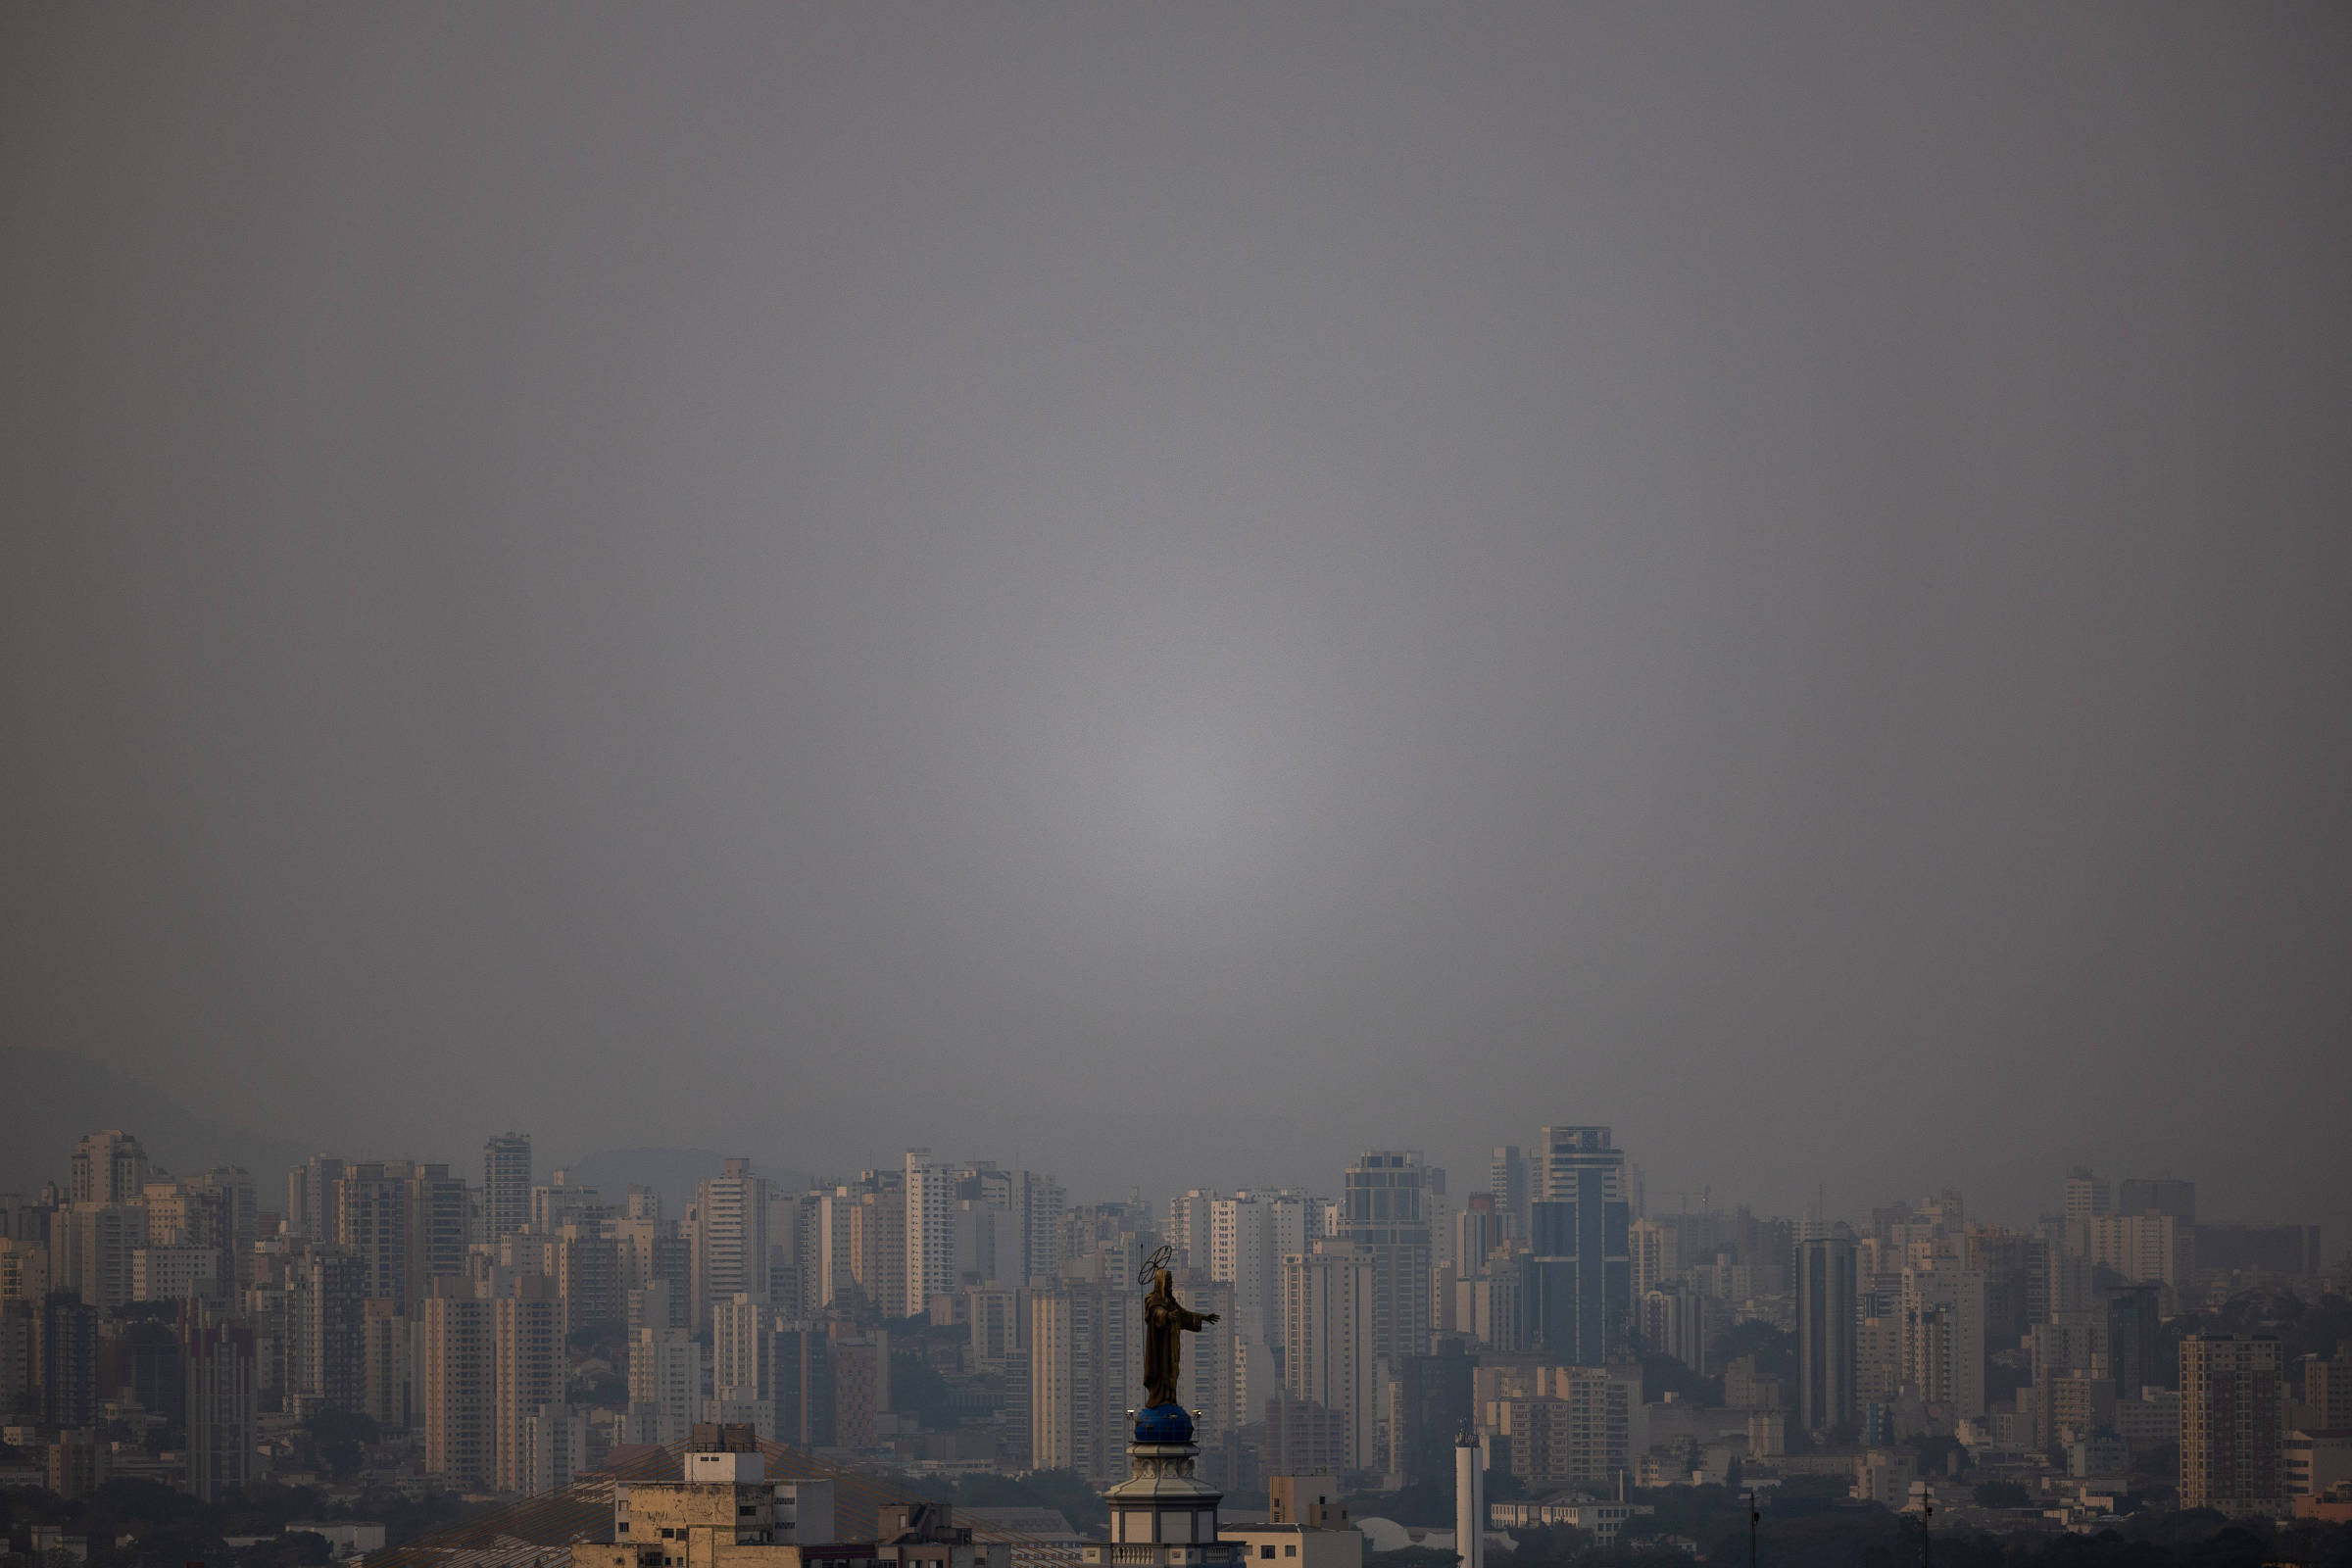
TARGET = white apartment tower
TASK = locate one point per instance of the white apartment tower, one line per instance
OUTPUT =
(930, 1230)
(730, 1238)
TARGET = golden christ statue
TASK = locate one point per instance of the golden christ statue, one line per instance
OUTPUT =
(1167, 1321)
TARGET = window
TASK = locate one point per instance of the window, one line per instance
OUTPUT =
(1289, 1550)
(1265, 1551)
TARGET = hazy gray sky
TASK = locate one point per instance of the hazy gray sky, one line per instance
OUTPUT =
(1175, 592)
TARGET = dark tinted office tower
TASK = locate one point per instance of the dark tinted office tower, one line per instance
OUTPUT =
(2159, 1194)
(68, 1361)
(2132, 1331)
(1825, 1333)
(800, 1370)
(1385, 1210)
(149, 1354)
(218, 1360)
(1580, 1271)
(505, 1184)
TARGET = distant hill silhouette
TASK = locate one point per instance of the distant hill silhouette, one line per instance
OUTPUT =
(49, 1099)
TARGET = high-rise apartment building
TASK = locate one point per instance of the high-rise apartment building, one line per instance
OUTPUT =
(1827, 1315)
(1477, 1232)
(860, 1364)
(740, 1326)
(589, 1275)
(1674, 1322)
(387, 1393)
(91, 1248)
(527, 1352)
(1943, 1337)
(930, 1232)
(2087, 1199)
(311, 1197)
(1239, 1255)
(1329, 1298)
(1042, 1209)
(69, 1362)
(2145, 1248)
(2327, 1403)
(1507, 1181)
(406, 1221)
(109, 1167)
(217, 1354)
(1438, 1211)
(1189, 1225)
(1580, 1271)
(24, 1269)
(230, 1192)
(560, 1199)
(1645, 1249)
(458, 1360)
(2234, 1424)
(1086, 1362)
(1250, 1233)
(1383, 1212)
(1570, 1426)
(505, 1184)
(665, 1385)
(327, 1298)
(371, 1223)
(878, 1243)
(730, 1238)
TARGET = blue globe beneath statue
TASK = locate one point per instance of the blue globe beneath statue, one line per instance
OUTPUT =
(1163, 1423)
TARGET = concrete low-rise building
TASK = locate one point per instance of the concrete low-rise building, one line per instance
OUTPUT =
(726, 1513)
(2318, 1462)
(1272, 1545)
(1605, 1520)
(348, 1538)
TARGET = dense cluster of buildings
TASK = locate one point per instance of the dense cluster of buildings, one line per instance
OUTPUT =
(505, 1336)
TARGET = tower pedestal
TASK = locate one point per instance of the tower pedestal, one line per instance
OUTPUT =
(1162, 1514)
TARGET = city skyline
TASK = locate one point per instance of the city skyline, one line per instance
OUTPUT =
(823, 786)
(2018, 1197)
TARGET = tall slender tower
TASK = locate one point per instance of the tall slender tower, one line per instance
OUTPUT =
(216, 1356)
(505, 1184)
(1469, 1500)
(1825, 1286)
(1386, 1214)
(1507, 1181)
(930, 1230)
(1580, 1271)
